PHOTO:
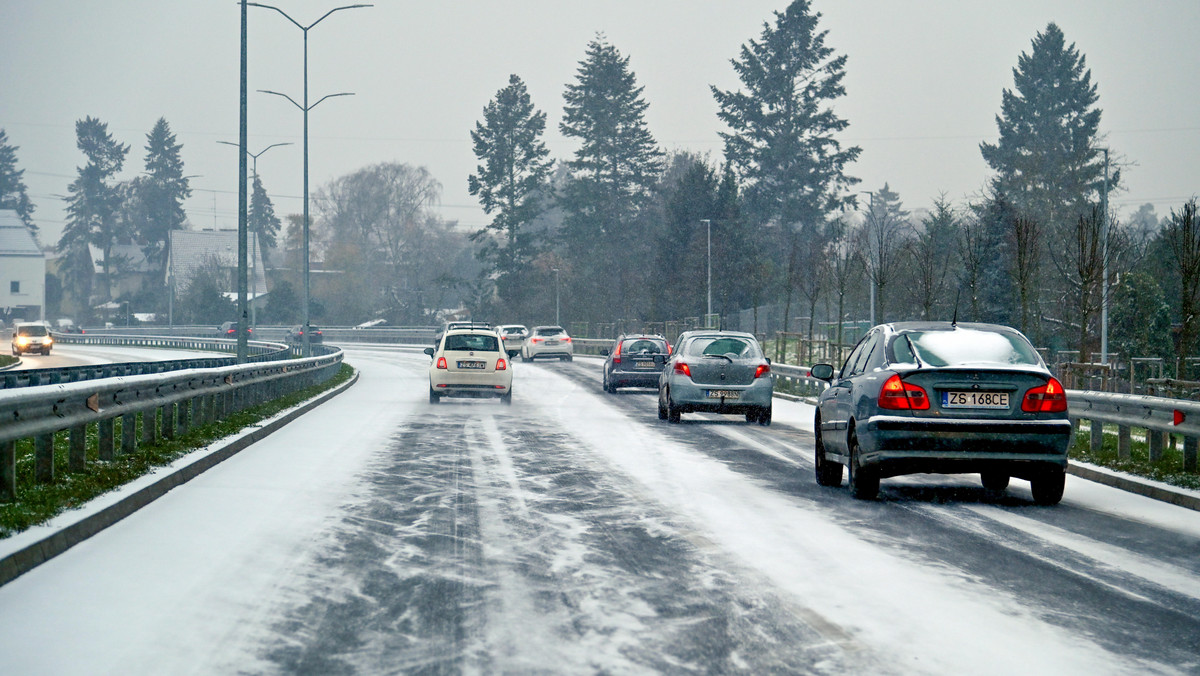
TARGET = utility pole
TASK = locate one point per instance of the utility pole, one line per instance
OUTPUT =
(1104, 276)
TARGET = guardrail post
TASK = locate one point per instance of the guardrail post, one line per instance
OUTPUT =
(43, 458)
(106, 438)
(148, 426)
(168, 422)
(1097, 434)
(128, 433)
(77, 448)
(184, 416)
(1157, 443)
(1124, 445)
(1189, 454)
(8, 471)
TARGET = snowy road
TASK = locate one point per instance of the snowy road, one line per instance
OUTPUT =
(574, 532)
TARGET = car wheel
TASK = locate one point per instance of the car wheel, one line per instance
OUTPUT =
(751, 416)
(570, 357)
(526, 359)
(764, 416)
(828, 473)
(994, 481)
(434, 397)
(662, 407)
(1048, 488)
(673, 415)
(864, 482)
(506, 398)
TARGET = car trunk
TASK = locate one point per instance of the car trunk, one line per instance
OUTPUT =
(720, 372)
(975, 393)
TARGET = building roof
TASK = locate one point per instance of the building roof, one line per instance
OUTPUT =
(134, 258)
(189, 250)
(15, 238)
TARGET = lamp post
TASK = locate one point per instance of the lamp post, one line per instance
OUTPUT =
(254, 250)
(871, 251)
(708, 225)
(557, 322)
(1104, 262)
(305, 108)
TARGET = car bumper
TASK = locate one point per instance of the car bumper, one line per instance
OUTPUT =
(634, 378)
(557, 351)
(688, 397)
(899, 445)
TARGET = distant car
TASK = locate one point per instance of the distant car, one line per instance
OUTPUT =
(296, 335)
(547, 341)
(449, 326)
(635, 361)
(31, 337)
(469, 363)
(230, 330)
(716, 372)
(513, 336)
(943, 398)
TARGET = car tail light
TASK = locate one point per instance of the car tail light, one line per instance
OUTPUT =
(536, 340)
(566, 339)
(670, 350)
(501, 365)
(683, 369)
(762, 370)
(899, 395)
(442, 363)
(1049, 398)
(617, 354)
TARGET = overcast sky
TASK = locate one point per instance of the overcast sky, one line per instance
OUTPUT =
(924, 82)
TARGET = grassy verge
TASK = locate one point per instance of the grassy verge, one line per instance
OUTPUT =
(1169, 469)
(37, 502)
(7, 360)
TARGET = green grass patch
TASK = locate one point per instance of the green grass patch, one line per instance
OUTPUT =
(1168, 469)
(38, 502)
(7, 360)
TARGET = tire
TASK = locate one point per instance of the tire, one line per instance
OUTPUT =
(864, 482)
(828, 473)
(506, 398)
(751, 416)
(570, 357)
(673, 414)
(662, 407)
(994, 481)
(764, 417)
(526, 359)
(1048, 488)
(434, 397)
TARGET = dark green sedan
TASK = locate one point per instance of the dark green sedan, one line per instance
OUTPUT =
(943, 398)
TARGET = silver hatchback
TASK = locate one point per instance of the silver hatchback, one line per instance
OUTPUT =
(717, 372)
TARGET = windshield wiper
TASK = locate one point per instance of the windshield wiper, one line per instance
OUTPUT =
(721, 356)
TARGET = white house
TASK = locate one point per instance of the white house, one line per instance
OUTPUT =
(22, 271)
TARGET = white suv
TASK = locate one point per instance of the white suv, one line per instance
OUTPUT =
(469, 363)
(548, 341)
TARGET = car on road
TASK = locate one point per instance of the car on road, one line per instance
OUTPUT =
(635, 361)
(716, 372)
(296, 335)
(31, 337)
(942, 398)
(548, 341)
(513, 336)
(437, 338)
(469, 363)
(230, 330)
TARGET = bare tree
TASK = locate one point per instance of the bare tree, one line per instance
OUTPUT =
(1081, 263)
(1026, 236)
(884, 236)
(1182, 234)
(931, 250)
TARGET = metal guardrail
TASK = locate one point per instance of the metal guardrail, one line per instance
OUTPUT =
(160, 405)
(405, 335)
(1159, 416)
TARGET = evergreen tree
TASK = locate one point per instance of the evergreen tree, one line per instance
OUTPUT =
(1140, 319)
(162, 192)
(512, 184)
(1047, 160)
(933, 259)
(13, 194)
(887, 231)
(262, 219)
(92, 207)
(613, 173)
(782, 126)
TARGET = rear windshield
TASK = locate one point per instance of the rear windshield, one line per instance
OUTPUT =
(472, 341)
(723, 346)
(513, 331)
(961, 347)
(33, 330)
(644, 346)
(552, 331)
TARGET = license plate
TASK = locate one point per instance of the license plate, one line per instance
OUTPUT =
(472, 364)
(724, 394)
(643, 364)
(970, 399)
(552, 342)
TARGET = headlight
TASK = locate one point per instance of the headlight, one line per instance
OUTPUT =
(22, 340)
(47, 340)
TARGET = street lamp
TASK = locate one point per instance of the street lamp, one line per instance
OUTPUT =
(708, 225)
(254, 251)
(305, 108)
(871, 251)
(1104, 262)
(557, 322)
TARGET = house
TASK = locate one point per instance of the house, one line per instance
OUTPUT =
(22, 271)
(131, 272)
(189, 251)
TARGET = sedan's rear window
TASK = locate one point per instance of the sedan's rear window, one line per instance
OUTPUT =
(724, 346)
(641, 346)
(962, 346)
(475, 342)
(553, 331)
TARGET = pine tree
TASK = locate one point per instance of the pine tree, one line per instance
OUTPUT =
(511, 183)
(13, 193)
(92, 208)
(1047, 160)
(162, 191)
(613, 173)
(263, 220)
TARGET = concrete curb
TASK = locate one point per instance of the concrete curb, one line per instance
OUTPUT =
(31, 556)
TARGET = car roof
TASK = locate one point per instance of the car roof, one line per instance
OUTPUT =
(471, 330)
(549, 326)
(905, 327)
(716, 332)
(640, 336)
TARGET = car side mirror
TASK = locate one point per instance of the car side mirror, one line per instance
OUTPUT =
(821, 372)
(768, 360)
(429, 351)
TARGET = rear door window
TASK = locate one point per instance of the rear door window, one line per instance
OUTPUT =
(465, 342)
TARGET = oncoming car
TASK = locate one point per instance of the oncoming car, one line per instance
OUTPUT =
(942, 398)
(31, 337)
(469, 363)
(635, 361)
(548, 341)
(716, 372)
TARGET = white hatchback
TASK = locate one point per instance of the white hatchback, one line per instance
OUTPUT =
(469, 363)
(548, 341)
